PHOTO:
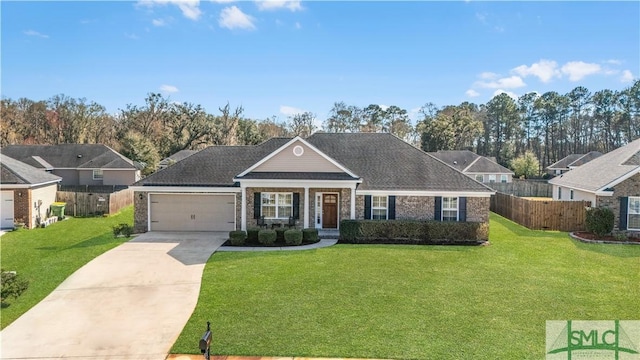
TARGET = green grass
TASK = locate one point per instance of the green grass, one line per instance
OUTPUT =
(47, 256)
(412, 302)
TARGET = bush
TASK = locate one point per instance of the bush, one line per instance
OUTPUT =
(293, 237)
(237, 237)
(123, 229)
(252, 235)
(267, 237)
(412, 232)
(599, 221)
(310, 235)
(12, 285)
(280, 234)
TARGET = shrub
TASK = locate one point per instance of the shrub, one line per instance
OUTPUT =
(293, 237)
(12, 285)
(280, 234)
(267, 237)
(599, 221)
(123, 229)
(412, 232)
(310, 235)
(252, 235)
(237, 237)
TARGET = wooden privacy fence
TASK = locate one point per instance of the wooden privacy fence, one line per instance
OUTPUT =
(524, 188)
(541, 215)
(92, 204)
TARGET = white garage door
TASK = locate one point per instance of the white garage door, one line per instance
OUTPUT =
(6, 210)
(192, 212)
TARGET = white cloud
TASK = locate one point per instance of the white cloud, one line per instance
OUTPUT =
(168, 88)
(472, 93)
(298, 25)
(131, 36)
(488, 75)
(511, 94)
(158, 22)
(35, 33)
(579, 69)
(233, 18)
(613, 62)
(290, 110)
(545, 70)
(293, 5)
(190, 8)
(627, 76)
(511, 82)
(223, 1)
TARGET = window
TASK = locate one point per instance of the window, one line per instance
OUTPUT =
(97, 174)
(633, 222)
(559, 193)
(379, 207)
(492, 178)
(276, 205)
(503, 178)
(449, 209)
(479, 178)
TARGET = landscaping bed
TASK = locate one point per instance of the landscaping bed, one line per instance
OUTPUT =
(586, 236)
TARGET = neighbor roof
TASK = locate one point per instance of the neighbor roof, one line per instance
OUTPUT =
(470, 162)
(604, 171)
(17, 172)
(574, 160)
(383, 161)
(70, 156)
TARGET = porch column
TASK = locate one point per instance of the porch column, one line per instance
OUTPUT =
(243, 209)
(353, 202)
(307, 203)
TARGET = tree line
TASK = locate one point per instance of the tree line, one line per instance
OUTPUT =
(549, 126)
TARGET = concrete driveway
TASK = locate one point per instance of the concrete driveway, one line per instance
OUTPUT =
(129, 303)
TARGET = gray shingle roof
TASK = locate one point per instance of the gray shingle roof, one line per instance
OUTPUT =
(470, 162)
(598, 173)
(564, 162)
(586, 158)
(17, 172)
(383, 161)
(180, 155)
(69, 156)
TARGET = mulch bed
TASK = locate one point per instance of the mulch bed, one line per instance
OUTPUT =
(607, 239)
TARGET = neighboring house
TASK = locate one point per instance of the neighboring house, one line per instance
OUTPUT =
(481, 168)
(27, 193)
(180, 155)
(78, 164)
(318, 181)
(611, 180)
(571, 162)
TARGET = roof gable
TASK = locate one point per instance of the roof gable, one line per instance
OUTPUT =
(297, 156)
(482, 165)
(563, 164)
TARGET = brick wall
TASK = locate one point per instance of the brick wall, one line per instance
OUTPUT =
(629, 187)
(344, 199)
(22, 207)
(251, 222)
(140, 212)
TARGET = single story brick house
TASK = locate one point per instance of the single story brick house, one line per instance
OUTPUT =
(78, 164)
(480, 168)
(611, 180)
(27, 193)
(317, 182)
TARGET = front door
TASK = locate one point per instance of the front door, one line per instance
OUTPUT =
(329, 211)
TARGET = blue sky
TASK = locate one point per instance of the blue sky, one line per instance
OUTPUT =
(276, 58)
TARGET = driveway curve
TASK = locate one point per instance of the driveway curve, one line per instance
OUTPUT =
(129, 303)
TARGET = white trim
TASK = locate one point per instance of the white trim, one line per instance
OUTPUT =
(88, 168)
(386, 208)
(276, 204)
(280, 149)
(26, 186)
(442, 209)
(425, 193)
(186, 189)
(473, 162)
(353, 203)
(243, 209)
(620, 179)
(320, 205)
(629, 212)
(306, 208)
(93, 174)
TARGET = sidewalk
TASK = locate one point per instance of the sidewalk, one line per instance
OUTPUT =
(320, 244)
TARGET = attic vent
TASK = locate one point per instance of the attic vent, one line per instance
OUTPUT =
(455, 162)
(79, 156)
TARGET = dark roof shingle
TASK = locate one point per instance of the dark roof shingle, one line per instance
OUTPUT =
(69, 156)
(17, 172)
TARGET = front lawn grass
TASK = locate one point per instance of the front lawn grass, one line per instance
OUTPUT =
(47, 256)
(412, 302)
